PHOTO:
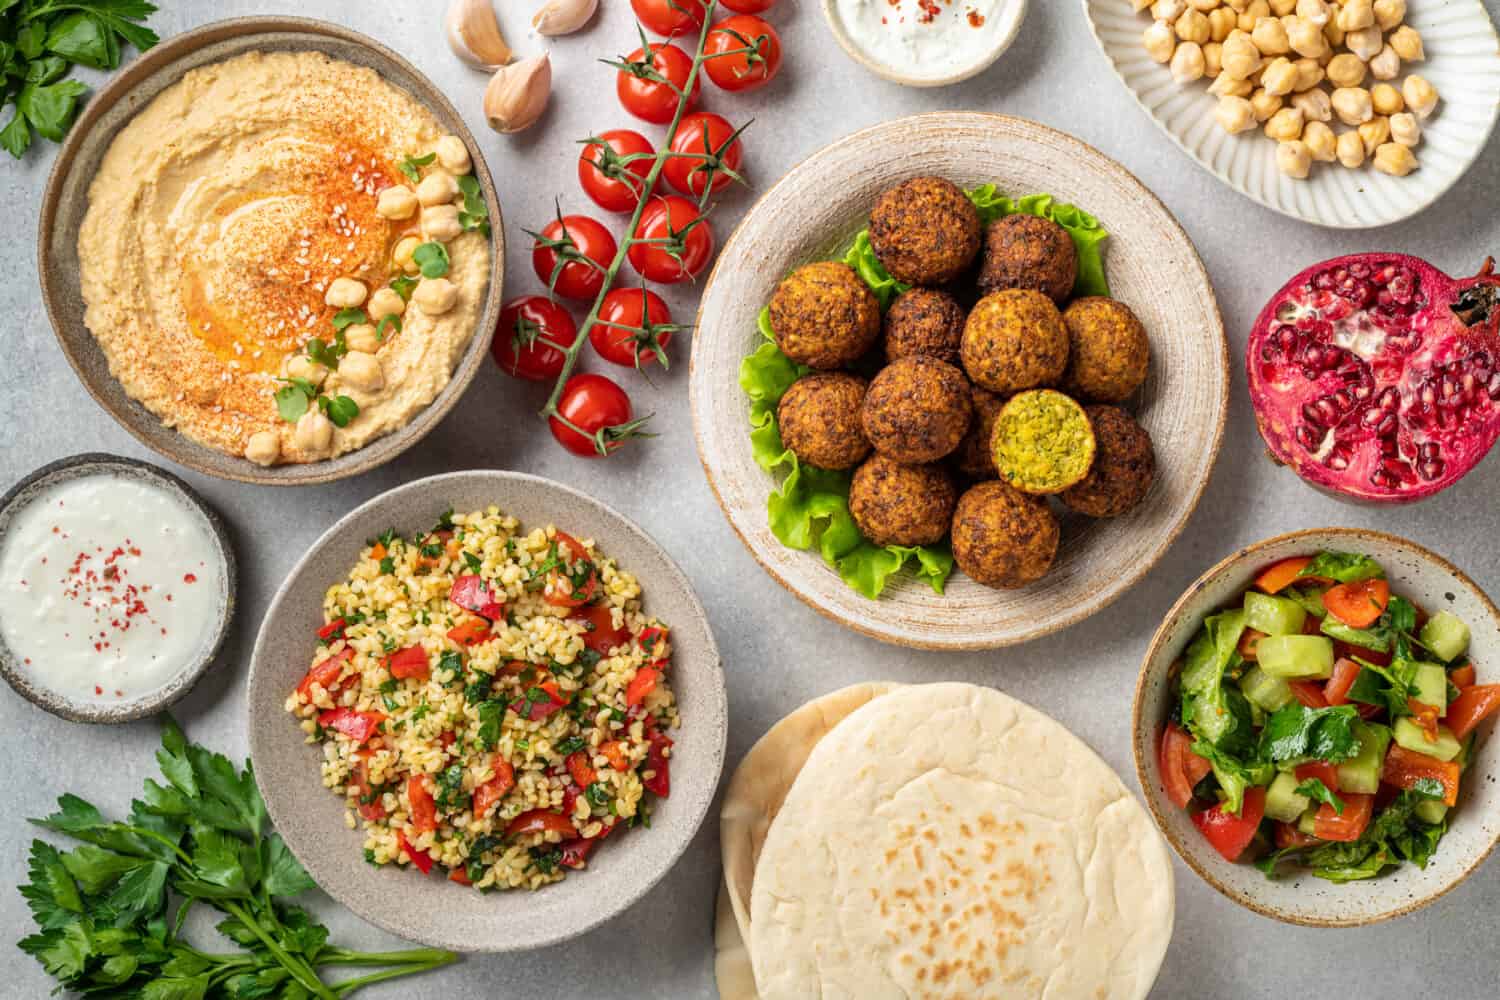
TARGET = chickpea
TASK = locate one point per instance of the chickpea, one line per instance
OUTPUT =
(1306, 38)
(1168, 10)
(437, 188)
(1285, 125)
(1221, 21)
(1356, 14)
(440, 222)
(1374, 132)
(1386, 65)
(1235, 115)
(345, 293)
(1213, 59)
(1269, 35)
(1333, 33)
(1225, 85)
(1346, 70)
(385, 302)
(1421, 96)
(1187, 62)
(1279, 78)
(1353, 105)
(301, 366)
(1316, 11)
(453, 155)
(1386, 99)
(1293, 159)
(1309, 74)
(361, 371)
(1281, 8)
(398, 202)
(401, 255)
(435, 296)
(1238, 5)
(1314, 105)
(1159, 41)
(1192, 26)
(362, 337)
(1395, 159)
(1406, 128)
(1350, 150)
(1389, 13)
(1253, 12)
(1140, 5)
(1365, 43)
(1319, 140)
(1203, 6)
(1268, 106)
(314, 432)
(1241, 58)
(1407, 43)
(263, 448)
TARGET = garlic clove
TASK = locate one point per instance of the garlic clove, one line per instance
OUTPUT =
(474, 34)
(563, 17)
(517, 94)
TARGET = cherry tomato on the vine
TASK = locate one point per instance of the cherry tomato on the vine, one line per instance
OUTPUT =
(653, 100)
(591, 403)
(702, 134)
(670, 17)
(748, 6)
(681, 241)
(642, 310)
(742, 52)
(565, 248)
(615, 186)
(524, 339)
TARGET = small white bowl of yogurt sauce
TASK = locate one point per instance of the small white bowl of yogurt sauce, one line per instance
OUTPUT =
(925, 43)
(117, 587)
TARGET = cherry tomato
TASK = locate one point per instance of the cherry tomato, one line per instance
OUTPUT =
(631, 307)
(615, 186)
(571, 241)
(700, 134)
(592, 403)
(748, 6)
(528, 328)
(669, 17)
(741, 70)
(688, 241)
(649, 99)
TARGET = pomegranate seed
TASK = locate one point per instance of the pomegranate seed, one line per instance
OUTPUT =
(1428, 451)
(1431, 470)
(1493, 387)
(1308, 438)
(1387, 424)
(1338, 458)
(1389, 399)
(1359, 269)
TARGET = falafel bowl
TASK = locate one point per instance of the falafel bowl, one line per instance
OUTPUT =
(964, 342)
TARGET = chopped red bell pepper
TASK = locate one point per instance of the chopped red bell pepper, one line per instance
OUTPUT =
(1181, 769)
(1309, 693)
(539, 821)
(423, 808)
(470, 632)
(582, 771)
(471, 593)
(358, 726)
(660, 782)
(1346, 826)
(536, 709)
(600, 633)
(1336, 689)
(1230, 834)
(1463, 676)
(370, 806)
(576, 851)
(333, 628)
(1472, 706)
(408, 662)
(459, 875)
(651, 637)
(489, 794)
(1404, 768)
(324, 673)
(641, 685)
(421, 860)
(615, 751)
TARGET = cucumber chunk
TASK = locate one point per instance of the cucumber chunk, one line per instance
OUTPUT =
(1431, 811)
(1431, 686)
(1282, 800)
(1264, 691)
(1446, 635)
(1360, 774)
(1308, 822)
(1297, 656)
(1273, 615)
(1412, 737)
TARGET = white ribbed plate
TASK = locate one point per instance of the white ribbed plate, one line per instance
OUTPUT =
(1463, 63)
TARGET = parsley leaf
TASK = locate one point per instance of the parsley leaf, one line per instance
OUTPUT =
(411, 166)
(403, 285)
(339, 409)
(432, 259)
(1298, 733)
(1314, 789)
(475, 214)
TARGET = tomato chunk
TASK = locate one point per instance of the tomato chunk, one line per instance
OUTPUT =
(641, 685)
(1181, 769)
(470, 632)
(1463, 676)
(615, 751)
(423, 809)
(564, 588)
(1325, 772)
(1230, 834)
(576, 851)
(408, 662)
(1472, 706)
(325, 672)
(539, 821)
(1279, 576)
(582, 771)
(600, 633)
(1336, 688)
(471, 593)
(1404, 768)
(660, 782)
(1349, 825)
(1309, 693)
(370, 806)
(1359, 604)
(358, 726)
(540, 701)
(420, 860)
(489, 794)
(1288, 835)
(459, 875)
(333, 628)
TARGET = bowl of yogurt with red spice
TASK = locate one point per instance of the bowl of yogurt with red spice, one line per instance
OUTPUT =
(117, 587)
(925, 43)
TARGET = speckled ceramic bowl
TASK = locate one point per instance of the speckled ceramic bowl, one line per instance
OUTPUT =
(78, 466)
(1432, 582)
(66, 201)
(433, 910)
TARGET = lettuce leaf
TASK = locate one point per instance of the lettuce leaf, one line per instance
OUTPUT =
(1343, 567)
(1088, 235)
(861, 257)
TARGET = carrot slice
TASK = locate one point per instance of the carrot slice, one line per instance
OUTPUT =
(1359, 604)
(1279, 576)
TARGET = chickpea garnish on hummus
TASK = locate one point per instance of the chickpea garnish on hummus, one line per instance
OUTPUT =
(284, 256)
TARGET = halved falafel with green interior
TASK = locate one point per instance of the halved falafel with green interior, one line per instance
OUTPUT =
(1108, 350)
(1003, 538)
(1014, 340)
(824, 316)
(1042, 442)
(1124, 466)
(917, 409)
(898, 504)
(924, 321)
(1028, 251)
(974, 457)
(925, 231)
(819, 419)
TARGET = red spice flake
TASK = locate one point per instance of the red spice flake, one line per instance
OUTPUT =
(189, 578)
(106, 591)
(930, 10)
(98, 689)
(976, 19)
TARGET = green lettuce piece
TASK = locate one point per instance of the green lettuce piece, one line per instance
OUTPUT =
(1088, 235)
(861, 257)
(1343, 567)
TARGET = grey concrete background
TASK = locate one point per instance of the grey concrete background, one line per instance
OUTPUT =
(778, 653)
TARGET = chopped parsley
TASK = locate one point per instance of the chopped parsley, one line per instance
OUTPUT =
(572, 744)
(404, 285)
(387, 565)
(598, 796)
(412, 166)
(472, 561)
(450, 788)
(432, 258)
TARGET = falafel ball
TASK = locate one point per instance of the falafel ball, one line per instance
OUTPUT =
(924, 321)
(819, 420)
(824, 316)
(1123, 470)
(1014, 340)
(1003, 538)
(896, 504)
(1028, 251)
(925, 231)
(1108, 350)
(917, 409)
(974, 457)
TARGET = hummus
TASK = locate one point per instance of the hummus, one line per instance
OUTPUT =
(219, 222)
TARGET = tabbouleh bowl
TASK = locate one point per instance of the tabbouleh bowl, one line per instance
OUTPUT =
(489, 701)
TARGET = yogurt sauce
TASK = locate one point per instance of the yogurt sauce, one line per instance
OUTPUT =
(109, 588)
(928, 39)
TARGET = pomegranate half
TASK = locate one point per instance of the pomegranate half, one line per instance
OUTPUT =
(1377, 377)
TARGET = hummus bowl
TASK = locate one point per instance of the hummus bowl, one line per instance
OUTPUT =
(181, 167)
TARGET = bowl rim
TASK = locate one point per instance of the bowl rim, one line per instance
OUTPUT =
(182, 450)
(862, 58)
(712, 674)
(1353, 226)
(61, 705)
(1158, 640)
(1073, 616)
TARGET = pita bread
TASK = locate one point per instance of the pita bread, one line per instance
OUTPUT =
(945, 841)
(751, 802)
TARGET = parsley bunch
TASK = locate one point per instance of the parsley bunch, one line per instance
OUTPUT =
(41, 41)
(110, 912)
